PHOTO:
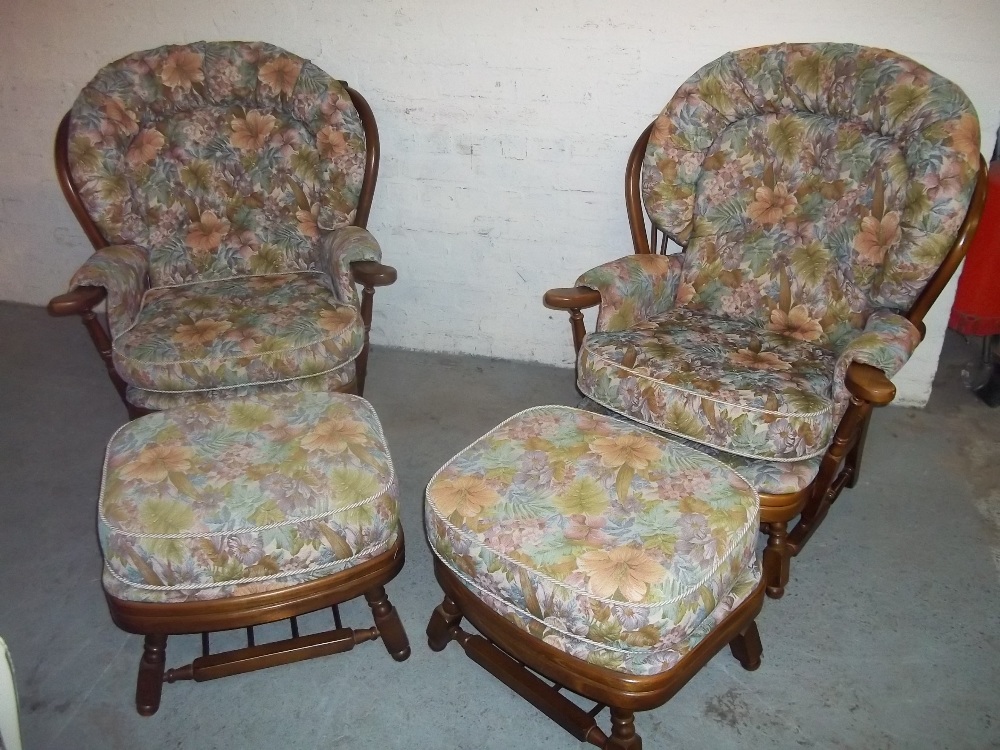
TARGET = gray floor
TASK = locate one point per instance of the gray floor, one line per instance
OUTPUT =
(887, 637)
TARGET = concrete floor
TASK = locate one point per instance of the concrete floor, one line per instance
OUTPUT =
(887, 637)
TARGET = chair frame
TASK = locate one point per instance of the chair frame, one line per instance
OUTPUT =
(82, 301)
(514, 657)
(869, 387)
(156, 621)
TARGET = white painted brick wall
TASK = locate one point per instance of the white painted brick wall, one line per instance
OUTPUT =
(505, 128)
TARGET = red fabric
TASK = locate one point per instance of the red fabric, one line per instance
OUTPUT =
(977, 304)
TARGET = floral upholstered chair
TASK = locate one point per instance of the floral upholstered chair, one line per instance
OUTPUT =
(820, 195)
(225, 187)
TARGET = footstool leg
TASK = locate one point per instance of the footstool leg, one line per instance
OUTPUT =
(444, 622)
(623, 736)
(777, 558)
(746, 647)
(149, 685)
(388, 623)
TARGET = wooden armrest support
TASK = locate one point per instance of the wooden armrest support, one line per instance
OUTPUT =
(77, 301)
(574, 298)
(870, 384)
(372, 273)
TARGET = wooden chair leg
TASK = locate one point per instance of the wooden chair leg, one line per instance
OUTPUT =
(149, 685)
(746, 647)
(623, 736)
(361, 362)
(777, 559)
(443, 625)
(390, 627)
(857, 452)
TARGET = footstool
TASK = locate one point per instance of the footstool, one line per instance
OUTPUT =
(610, 560)
(236, 513)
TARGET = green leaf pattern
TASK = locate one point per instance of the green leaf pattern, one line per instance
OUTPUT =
(275, 167)
(815, 189)
(728, 384)
(683, 533)
(237, 332)
(211, 501)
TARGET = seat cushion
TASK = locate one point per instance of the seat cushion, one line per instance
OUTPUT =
(728, 384)
(240, 331)
(767, 477)
(606, 540)
(241, 496)
(341, 379)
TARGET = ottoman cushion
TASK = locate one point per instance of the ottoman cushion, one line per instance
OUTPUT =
(608, 541)
(237, 497)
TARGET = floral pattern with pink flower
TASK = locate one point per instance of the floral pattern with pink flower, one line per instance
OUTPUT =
(876, 237)
(796, 324)
(182, 69)
(220, 161)
(771, 205)
(280, 74)
(699, 376)
(237, 332)
(814, 189)
(628, 585)
(816, 132)
(250, 133)
(183, 516)
(226, 100)
(145, 147)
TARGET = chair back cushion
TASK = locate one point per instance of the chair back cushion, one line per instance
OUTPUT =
(220, 159)
(811, 184)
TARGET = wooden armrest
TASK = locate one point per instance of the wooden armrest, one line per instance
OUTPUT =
(870, 384)
(372, 273)
(78, 301)
(573, 298)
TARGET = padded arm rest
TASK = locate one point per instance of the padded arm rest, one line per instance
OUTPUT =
(886, 344)
(340, 251)
(574, 298)
(76, 301)
(118, 270)
(870, 384)
(634, 288)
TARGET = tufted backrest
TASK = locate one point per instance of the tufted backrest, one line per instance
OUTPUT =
(811, 183)
(219, 158)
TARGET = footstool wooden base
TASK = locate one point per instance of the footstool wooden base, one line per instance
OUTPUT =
(157, 621)
(508, 653)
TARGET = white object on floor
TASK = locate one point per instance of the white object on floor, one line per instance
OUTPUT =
(10, 730)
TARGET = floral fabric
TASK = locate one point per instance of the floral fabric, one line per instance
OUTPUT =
(887, 342)
(595, 532)
(633, 288)
(767, 477)
(121, 270)
(341, 248)
(220, 158)
(340, 379)
(640, 661)
(816, 188)
(830, 153)
(236, 332)
(237, 497)
(728, 384)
